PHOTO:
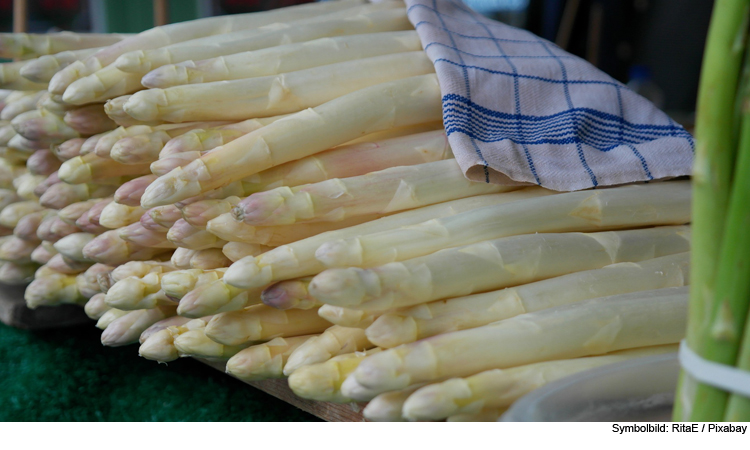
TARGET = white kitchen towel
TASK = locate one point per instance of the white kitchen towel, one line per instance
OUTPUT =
(520, 110)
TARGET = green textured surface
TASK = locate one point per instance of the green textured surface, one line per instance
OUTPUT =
(67, 375)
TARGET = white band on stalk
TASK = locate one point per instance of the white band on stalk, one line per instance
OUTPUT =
(722, 376)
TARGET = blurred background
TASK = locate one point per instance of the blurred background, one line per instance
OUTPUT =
(655, 46)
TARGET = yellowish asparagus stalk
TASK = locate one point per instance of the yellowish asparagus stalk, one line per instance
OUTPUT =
(591, 327)
(102, 145)
(10, 78)
(179, 32)
(185, 235)
(11, 214)
(199, 213)
(139, 235)
(195, 343)
(400, 103)
(71, 213)
(89, 221)
(332, 342)
(323, 381)
(181, 257)
(115, 215)
(138, 269)
(42, 69)
(415, 323)
(95, 307)
(165, 216)
(89, 120)
(260, 323)
(108, 317)
(210, 258)
(102, 85)
(499, 388)
(622, 207)
(227, 228)
(178, 283)
(387, 406)
(71, 246)
(297, 259)
(126, 329)
(355, 159)
(87, 168)
(490, 265)
(275, 94)
(216, 297)
(17, 250)
(234, 251)
(174, 321)
(358, 20)
(290, 294)
(159, 345)
(264, 361)
(53, 289)
(382, 192)
(20, 45)
(134, 293)
(283, 59)
(20, 103)
(350, 318)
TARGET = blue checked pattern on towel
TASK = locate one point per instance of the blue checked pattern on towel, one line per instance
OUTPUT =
(519, 109)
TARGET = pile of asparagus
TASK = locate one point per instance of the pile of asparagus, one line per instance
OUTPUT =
(276, 190)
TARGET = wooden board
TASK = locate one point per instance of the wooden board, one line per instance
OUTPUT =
(279, 388)
(13, 312)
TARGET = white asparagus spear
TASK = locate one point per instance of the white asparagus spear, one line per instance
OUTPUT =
(108, 248)
(174, 321)
(181, 257)
(52, 229)
(41, 255)
(102, 85)
(95, 307)
(10, 78)
(68, 149)
(234, 251)
(63, 264)
(71, 246)
(323, 381)
(53, 289)
(134, 293)
(621, 207)
(6, 133)
(591, 327)
(196, 344)
(26, 184)
(89, 120)
(297, 259)
(139, 235)
(369, 18)
(386, 191)
(345, 317)
(90, 167)
(403, 102)
(159, 346)
(126, 329)
(289, 294)
(178, 283)
(139, 269)
(42, 69)
(260, 322)
(387, 406)
(17, 250)
(490, 265)
(182, 234)
(332, 342)
(43, 162)
(501, 387)
(355, 159)
(412, 324)
(283, 58)
(60, 195)
(11, 214)
(276, 94)
(226, 227)
(18, 45)
(71, 213)
(88, 281)
(130, 193)
(41, 125)
(89, 221)
(179, 32)
(22, 102)
(215, 297)
(16, 274)
(108, 317)
(264, 361)
(115, 215)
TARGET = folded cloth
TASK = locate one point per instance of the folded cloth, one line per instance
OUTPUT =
(520, 110)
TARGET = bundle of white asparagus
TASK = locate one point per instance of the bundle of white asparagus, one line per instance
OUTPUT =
(276, 191)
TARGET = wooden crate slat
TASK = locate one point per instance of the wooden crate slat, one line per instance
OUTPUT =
(14, 313)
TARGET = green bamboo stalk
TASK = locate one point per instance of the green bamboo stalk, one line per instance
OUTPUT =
(712, 172)
(732, 290)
